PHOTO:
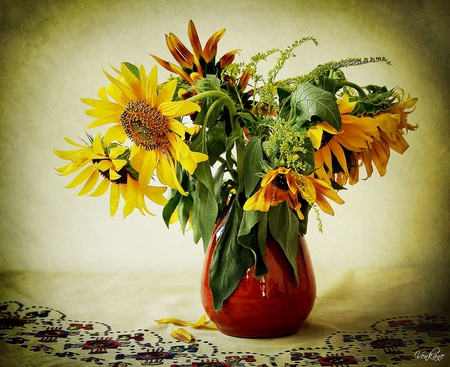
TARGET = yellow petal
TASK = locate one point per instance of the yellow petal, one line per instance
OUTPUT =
(82, 176)
(133, 81)
(119, 163)
(113, 175)
(166, 93)
(114, 199)
(201, 323)
(148, 167)
(194, 39)
(126, 91)
(167, 173)
(97, 144)
(178, 108)
(177, 127)
(103, 165)
(210, 49)
(315, 134)
(155, 194)
(151, 85)
(102, 187)
(115, 133)
(182, 335)
(90, 183)
(117, 151)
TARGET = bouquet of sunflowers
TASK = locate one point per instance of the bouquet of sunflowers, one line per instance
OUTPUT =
(225, 139)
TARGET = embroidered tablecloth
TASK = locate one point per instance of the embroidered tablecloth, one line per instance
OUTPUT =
(49, 319)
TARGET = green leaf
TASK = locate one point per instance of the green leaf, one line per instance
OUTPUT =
(307, 157)
(230, 261)
(218, 180)
(249, 219)
(197, 234)
(184, 210)
(283, 226)
(262, 232)
(205, 212)
(133, 69)
(248, 237)
(203, 170)
(284, 94)
(170, 207)
(309, 102)
(216, 142)
(252, 164)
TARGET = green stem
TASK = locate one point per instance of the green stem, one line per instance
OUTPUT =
(356, 87)
(216, 94)
(240, 145)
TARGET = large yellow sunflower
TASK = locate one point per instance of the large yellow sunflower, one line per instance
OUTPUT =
(284, 184)
(144, 112)
(200, 61)
(392, 126)
(109, 165)
(354, 135)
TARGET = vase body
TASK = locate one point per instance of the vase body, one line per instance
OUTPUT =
(271, 306)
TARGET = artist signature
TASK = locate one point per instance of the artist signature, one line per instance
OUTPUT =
(434, 355)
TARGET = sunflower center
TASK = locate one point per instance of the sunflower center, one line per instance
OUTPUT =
(145, 125)
(326, 137)
(280, 182)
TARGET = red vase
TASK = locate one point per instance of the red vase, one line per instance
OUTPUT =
(271, 306)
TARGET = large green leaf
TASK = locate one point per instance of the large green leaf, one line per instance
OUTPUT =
(283, 226)
(205, 212)
(184, 210)
(248, 237)
(307, 156)
(170, 207)
(215, 143)
(284, 93)
(230, 261)
(252, 164)
(203, 171)
(310, 103)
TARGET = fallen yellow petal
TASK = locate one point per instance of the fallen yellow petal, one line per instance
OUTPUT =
(182, 335)
(201, 323)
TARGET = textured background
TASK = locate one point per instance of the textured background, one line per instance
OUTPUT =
(51, 54)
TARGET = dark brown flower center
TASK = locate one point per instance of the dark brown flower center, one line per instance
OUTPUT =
(145, 125)
(280, 182)
(326, 137)
(122, 172)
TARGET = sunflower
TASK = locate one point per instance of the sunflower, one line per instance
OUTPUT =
(199, 62)
(392, 126)
(145, 113)
(109, 165)
(284, 184)
(355, 134)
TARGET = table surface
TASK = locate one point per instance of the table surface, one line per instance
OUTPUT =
(371, 317)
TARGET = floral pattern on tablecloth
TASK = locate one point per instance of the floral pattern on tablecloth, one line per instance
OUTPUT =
(387, 342)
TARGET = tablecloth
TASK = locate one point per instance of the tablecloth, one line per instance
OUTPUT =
(370, 317)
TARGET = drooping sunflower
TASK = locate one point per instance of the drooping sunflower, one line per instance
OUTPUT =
(110, 165)
(354, 135)
(284, 184)
(392, 126)
(145, 113)
(199, 62)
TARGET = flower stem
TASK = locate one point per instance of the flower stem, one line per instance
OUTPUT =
(239, 142)
(345, 83)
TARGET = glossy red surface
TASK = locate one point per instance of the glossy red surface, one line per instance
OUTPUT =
(271, 306)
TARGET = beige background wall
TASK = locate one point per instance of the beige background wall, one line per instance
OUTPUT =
(51, 54)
